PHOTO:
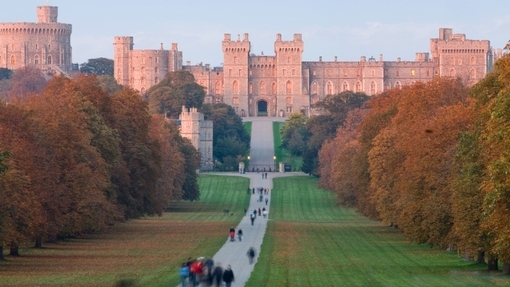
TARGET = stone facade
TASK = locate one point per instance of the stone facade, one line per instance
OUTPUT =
(200, 133)
(141, 69)
(259, 85)
(45, 45)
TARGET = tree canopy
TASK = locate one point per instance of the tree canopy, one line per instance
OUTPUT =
(98, 66)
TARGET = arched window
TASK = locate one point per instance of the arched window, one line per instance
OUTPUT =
(398, 85)
(358, 87)
(329, 88)
(273, 88)
(473, 73)
(217, 88)
(156, 70)
(372, 73)
(13, 59)
(250, 88)
(473, 60)
(142, 91)
(289, 88)
(315, 88)
(142, 81)
(262, 88)
(452, 61)
(388, 85)
(156, 80)
(373, 88)
(345, 86)
(49, 60)
(36, 59)
(452, 73)
(235, 87)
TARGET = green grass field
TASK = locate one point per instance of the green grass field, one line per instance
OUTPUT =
(312, 242)
(149, 249)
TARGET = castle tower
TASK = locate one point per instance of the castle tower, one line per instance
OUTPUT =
(235, 69)
(200, 133)
(289, 83)
(456, 56)
(45, 45)
(122, 48)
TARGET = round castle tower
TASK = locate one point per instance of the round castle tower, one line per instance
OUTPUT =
(45, 45)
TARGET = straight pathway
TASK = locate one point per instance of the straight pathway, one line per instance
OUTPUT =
(261, 153)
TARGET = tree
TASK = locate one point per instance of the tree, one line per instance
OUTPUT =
(230, 139)
(296, 122)
(26, 81)
(176, 90)
(5, 73)
(98, 66)
(4, 156)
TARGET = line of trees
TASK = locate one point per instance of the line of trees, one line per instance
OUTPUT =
(432, 159)
(75, 159)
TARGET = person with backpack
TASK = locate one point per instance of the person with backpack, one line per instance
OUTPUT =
(251, 254)
(252, 217)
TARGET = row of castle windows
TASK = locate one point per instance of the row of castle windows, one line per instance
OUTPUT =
(459, 61)
(462, 51)
(235, 50)
(289, 50)
(49, 60)
(235, 88)
(143, 81)
(142, 70)
(34, 31)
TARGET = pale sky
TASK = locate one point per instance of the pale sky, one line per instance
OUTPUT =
(346, 29)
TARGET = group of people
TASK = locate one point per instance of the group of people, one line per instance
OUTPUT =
(204, 271)
(232, 234)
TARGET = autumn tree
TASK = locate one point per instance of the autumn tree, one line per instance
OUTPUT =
(26, 81)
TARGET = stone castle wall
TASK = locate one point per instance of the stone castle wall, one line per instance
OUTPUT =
(200, 133)
(277, 85)
(45, 45)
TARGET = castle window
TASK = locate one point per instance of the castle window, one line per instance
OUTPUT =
(156, 80)
(452, 61)
(329, 72)
(288, 100)
(273, 88)
(262, 88)
(412, 72)
(49, 60)
(288, 60)
(143, 61)
(373, 87)
(250, 88)
(142, 81)
(398, 73)
(36, 47)
(428, 73)
(345, 86)
(142, 70)
(345, 72)
(289, 88)
(359, 72)
(251, 72)
(284, 72)
(473, 60)
(235, 60)
(398, 85)
(372, 73)
(235, 101)
(388, 85)
(293, 72)
(217, 88)
(452, 73)
(13, 60)
(329, 88)
(156, 70)
(314, 73)
(235, 87)
(230, 72)
(315, 100)
(217, 100)
(315, 88)
(240, 72)
(473, 73)
(358, 87)
(36, 59)
(156, 59)
(459, 61)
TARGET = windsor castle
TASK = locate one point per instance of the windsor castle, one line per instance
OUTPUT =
(254, 85)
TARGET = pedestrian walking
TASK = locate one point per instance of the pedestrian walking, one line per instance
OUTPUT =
(251, 254)
(260, 212)
(264, 212)
(184, 273)
(240, 235)
(228, 276)
(267, 200)
(252, 217)
(217, 274)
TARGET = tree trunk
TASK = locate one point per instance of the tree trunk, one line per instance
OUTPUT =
(492, 264)
(14, 249)
(38, 242)
(480, 257)
(1, 252)
(506, 268)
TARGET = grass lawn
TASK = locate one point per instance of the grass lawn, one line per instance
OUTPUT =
(283, 155)
(312, 242)
(149, 249)
(247, 127)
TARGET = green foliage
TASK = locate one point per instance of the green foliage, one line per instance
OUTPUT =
(4, 156)
(176, 90)
(5, 73)
(98, 66)
(230, 138)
